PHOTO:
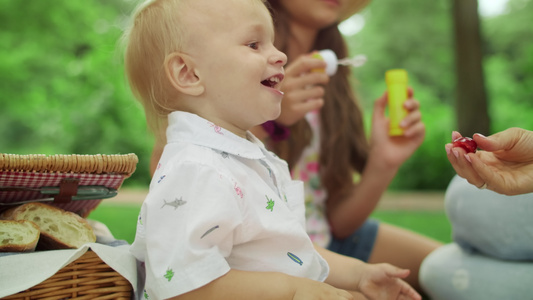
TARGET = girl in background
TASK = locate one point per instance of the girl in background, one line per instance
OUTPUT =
(320, 134)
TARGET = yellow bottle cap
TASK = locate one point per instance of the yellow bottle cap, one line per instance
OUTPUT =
(396, 76)
(331, 61)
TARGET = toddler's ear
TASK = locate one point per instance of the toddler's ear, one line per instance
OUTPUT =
(180, 71)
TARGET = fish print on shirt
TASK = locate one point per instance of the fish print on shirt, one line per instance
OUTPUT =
(209, 231)
(217, 128)
(295, 258)
(236, 187)
(176, 203)
(238, 190)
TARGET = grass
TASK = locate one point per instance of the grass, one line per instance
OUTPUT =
(122, 219)
(433, 224)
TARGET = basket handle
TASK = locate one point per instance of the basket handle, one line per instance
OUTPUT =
(68, 187)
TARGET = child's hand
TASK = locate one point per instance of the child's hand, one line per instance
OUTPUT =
(384, 281)
(307, 289)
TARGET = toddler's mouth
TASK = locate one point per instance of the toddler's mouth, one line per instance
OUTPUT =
(273, 81)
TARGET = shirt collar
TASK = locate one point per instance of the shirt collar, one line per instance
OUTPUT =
(191, 128)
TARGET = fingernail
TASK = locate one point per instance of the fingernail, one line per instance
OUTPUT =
(448, 149)
(454, 134)
(468, 158)
(480, 135)
(456, 153)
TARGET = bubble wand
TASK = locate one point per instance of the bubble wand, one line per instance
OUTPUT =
(332, 62)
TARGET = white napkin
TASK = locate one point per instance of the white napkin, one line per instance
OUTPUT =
(20, 272)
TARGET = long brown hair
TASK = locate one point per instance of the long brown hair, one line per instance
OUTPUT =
(343, 144)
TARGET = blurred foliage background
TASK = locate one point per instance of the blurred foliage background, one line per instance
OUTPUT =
(62, 87)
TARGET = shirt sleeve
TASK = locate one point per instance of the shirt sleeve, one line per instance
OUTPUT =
(190, 220)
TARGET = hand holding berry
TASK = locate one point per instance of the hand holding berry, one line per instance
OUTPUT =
(505, 166)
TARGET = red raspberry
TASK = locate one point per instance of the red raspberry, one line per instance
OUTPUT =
(468, 144)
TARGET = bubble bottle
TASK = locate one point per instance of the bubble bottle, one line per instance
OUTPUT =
(396, 80)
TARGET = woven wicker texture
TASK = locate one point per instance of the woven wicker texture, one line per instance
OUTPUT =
(70, 163)
(88, 277)
(34, 171)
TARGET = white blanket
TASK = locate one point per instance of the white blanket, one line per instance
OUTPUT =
(20, 272)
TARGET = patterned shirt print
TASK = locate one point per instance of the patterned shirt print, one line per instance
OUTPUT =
(219, 201)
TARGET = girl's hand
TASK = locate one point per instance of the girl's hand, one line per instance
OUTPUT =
(384, 281)
(393, 151)
(303, 89)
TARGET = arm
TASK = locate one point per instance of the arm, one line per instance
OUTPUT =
(386, 156)
(374, 281)
(505, 165)
(246, 285)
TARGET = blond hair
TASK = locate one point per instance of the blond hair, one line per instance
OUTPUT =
(156, 30)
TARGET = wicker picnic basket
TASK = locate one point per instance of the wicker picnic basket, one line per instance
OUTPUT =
(26, 178)
(88, 277)
(63, 178)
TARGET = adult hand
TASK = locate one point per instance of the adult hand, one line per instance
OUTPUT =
(304, 89)
(505, 166)
(394, 150)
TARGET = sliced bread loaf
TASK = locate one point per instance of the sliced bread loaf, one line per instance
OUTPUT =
(18, 236)
(59, 229)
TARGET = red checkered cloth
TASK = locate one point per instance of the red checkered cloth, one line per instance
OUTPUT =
(37, 180)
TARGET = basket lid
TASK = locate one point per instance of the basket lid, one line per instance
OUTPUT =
(61, 179)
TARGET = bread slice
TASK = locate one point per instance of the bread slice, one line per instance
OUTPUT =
(18, 236)
(60, 229)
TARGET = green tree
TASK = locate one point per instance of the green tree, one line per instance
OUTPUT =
(508, 65)
(419, 36)
(63, 89)
(416, 36)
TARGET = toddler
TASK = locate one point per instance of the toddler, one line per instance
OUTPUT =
(223, 219)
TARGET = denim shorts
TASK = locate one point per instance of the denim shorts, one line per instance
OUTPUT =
(359, 244)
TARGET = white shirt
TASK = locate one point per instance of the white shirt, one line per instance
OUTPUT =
(219, 202)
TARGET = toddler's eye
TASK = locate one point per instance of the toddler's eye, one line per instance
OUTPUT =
(254, 45)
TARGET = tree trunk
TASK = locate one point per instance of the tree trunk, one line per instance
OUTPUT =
(471, 98)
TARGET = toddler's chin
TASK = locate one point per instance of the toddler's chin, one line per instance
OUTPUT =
(275, 115)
